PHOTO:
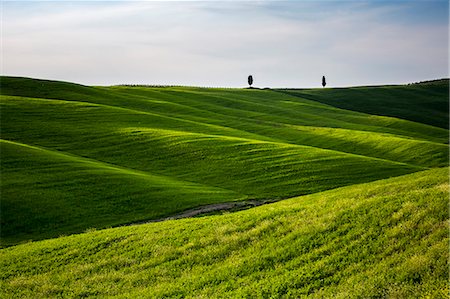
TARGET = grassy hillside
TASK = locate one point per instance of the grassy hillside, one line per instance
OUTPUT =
(425, 102)
(48, 193)
(385, 239)
(76, 157)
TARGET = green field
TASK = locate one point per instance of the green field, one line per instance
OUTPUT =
(385, 239)
(406, 102)
(78, 158)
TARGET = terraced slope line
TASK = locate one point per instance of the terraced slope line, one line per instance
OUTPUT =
(382, 239)
(46, 194)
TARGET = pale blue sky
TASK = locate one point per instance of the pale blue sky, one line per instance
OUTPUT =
(220, 43)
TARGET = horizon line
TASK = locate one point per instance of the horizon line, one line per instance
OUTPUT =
(224, 87)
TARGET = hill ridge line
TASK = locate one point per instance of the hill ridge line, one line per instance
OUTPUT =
(269, 140)
(224, 128)
(141, 112)
(314, 103)
(102, 164)
(309, 98)
(285, 144)
(204, 121)
(384, 134)
(206, 210)
(321, 105)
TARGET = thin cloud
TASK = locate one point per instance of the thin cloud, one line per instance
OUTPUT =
(219, 44)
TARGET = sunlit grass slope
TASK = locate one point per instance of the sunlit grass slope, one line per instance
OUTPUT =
(149, 152)
(385, 239)
(265, 113)
(49, 193)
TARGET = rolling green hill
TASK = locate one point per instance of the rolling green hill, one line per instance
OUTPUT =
(363, 174)
(48, 193)
(384, 239)
(76, 157)
(425, 102)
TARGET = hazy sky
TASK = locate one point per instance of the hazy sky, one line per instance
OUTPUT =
(220, 43)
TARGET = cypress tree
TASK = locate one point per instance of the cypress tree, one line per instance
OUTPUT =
(250, 80)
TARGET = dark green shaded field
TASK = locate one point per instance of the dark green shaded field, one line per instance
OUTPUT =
(384, 239)
(76, 157)
(425, 102)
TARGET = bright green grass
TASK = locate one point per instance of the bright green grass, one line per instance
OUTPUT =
(385, 146)
(45, 192)
(249, 144)
(48, 193)
(385, 239)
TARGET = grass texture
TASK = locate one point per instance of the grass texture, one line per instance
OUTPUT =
(384, 239)
(365, 170)
(76, 157)
(425, 102)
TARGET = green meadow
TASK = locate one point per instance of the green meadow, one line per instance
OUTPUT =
(360, 176)
(384, 239)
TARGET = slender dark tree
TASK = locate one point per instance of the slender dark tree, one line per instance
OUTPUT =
(323, 81)
(250, 80)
